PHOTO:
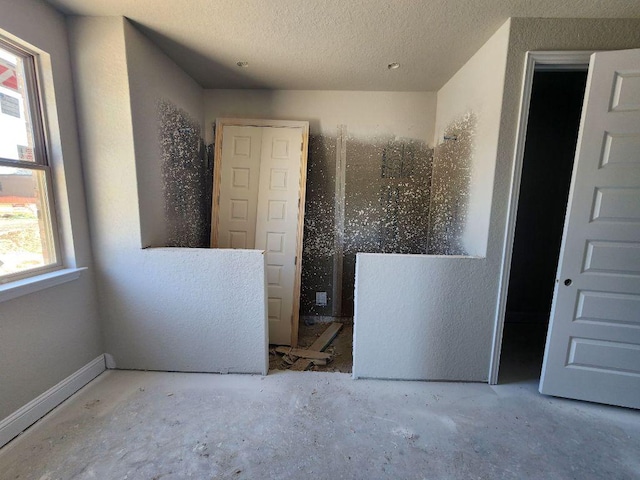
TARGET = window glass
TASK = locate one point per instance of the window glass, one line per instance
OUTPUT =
(17, 138)
(25, 241)
(27, 223)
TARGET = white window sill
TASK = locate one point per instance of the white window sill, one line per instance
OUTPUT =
(39, 282)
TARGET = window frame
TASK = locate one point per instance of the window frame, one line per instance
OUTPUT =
(41, 162)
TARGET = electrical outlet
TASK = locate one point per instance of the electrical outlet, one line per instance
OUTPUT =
(321, 299)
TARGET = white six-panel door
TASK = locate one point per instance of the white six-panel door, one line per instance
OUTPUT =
(593, 344)
(260, 192)
(239, 183)
(277, 223)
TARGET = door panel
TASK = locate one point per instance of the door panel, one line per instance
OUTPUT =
(239, 182)
(277, 225)
(593, 343)
(260, 195)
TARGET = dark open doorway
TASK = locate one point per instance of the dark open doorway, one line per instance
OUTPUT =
(552, 132)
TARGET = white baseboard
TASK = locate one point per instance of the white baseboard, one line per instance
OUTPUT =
(37, 408)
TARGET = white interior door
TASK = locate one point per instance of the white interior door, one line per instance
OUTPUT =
(259, 204)
(277, 224)
(593, 343)
(239, 185)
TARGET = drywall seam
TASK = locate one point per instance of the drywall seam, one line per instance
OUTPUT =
(338, 233)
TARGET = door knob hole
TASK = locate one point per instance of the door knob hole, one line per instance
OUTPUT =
(568, 282)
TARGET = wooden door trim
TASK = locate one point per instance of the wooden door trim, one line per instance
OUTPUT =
(297, 284)
(215, 213)
(551, 60)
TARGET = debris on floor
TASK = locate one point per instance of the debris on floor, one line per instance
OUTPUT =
(321, 426)
(317, 349)
(299, 352)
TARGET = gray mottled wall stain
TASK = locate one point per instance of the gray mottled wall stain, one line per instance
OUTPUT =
(318, 245)
(400, 197)
(387, 190)
(187, 176)
(387, 200)
(450, 187)
(387, 195)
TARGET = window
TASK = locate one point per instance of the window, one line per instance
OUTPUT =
(28, 235)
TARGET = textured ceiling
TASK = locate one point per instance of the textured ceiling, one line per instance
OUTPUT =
(330, 44)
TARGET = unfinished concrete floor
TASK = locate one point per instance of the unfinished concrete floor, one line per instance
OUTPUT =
(292, 425)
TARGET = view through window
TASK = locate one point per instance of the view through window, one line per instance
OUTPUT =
(27, 227)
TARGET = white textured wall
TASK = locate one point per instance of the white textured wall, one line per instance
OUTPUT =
(189, 309)
(542, 34)
(420, 317)
(47, 335)
(404, 114)
(162, 309)
(152, 77)
(539, 34)
(477, 88)
(431, 315)
(460, 328)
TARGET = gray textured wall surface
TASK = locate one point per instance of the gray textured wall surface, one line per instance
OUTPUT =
(50, 334)
(386, 208)
(450, 187)
(318, 246)
(387, 196)
(187, 178)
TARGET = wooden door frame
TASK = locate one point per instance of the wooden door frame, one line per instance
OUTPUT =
(553, 61)
(217, 170)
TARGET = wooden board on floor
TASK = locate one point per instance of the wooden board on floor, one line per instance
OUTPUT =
(299, 352)
(319, 345)
(326, 338)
